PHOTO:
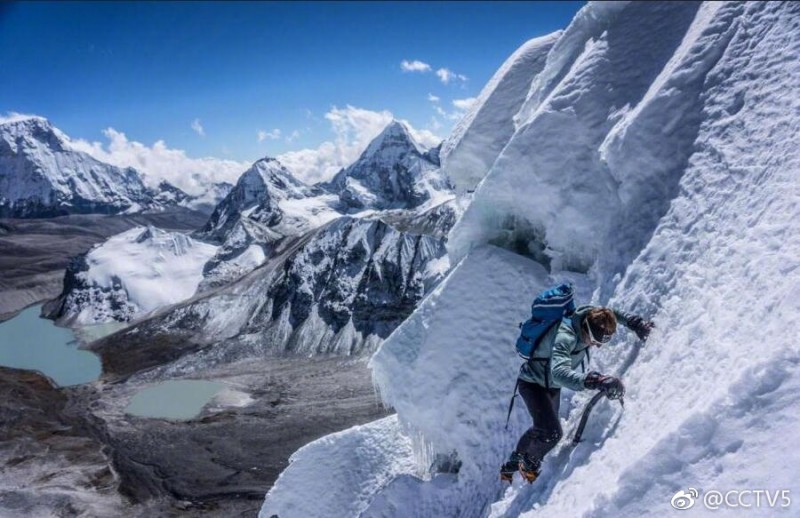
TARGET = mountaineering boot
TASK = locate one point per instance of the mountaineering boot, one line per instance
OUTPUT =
(529, 468)
(508, 469)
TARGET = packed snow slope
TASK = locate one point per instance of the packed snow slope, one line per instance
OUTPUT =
(130, 274)
(655, 164)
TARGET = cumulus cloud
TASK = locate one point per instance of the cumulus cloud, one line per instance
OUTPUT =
(198, 128)
(446, 76)
(464, 104)
(353, 128)
(275, 134)
(414, 66)
(159, 162)
(425, 137)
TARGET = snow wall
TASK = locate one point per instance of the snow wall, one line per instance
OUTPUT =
(655, 164)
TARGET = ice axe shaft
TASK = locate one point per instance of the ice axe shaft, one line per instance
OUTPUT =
(585, 417)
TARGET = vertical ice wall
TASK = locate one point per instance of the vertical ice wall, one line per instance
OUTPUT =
(555, 192)
(477, 139)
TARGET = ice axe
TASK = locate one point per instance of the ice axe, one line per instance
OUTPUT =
(588, 410)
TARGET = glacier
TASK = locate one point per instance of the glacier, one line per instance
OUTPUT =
(654, 164)
(130, 274)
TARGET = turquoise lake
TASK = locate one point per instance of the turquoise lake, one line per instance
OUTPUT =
(30, 342)
(178, 399)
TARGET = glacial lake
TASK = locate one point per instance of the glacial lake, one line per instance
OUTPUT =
(177, 399)
(30, 342)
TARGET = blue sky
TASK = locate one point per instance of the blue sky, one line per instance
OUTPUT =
(154, 69)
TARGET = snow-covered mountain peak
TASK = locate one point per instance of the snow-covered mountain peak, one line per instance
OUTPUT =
(270, 179)
(32, 131)
(269, 195)
(395, 137)
(42, 175)
(173, 243)
(393, 172)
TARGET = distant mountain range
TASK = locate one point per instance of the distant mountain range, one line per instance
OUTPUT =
(313, 269)
(42, 175)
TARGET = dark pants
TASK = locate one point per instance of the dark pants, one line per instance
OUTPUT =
(546, 431)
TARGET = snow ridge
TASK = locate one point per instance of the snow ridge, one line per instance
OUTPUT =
(477, 139)
(42, 176)
(340, 289)
(267, 195)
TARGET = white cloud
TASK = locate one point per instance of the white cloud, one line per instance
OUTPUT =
(464, 104)
(353, 128)
(453, 116)
(461, 107)
(275, 134)
(293, 136)
(198, 128)
(446, 75)
(414, 66)
(425, 137)
(16, 117)
(432, 98)
(158, 162)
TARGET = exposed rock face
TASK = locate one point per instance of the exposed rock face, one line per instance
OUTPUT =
(435, 221)
(393, 172)
(53, 465)
(42, 176)
(269, 196)
(340, 289)
(247, 245)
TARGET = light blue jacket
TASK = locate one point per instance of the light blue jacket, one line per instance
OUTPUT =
(560, 352)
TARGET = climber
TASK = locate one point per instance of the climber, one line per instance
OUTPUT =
(558, 353)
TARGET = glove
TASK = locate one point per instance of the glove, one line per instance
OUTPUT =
(641, 327)
(612, 386)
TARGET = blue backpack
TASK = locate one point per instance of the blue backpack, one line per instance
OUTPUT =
(547, 310)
